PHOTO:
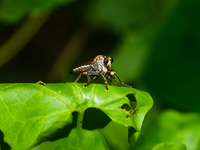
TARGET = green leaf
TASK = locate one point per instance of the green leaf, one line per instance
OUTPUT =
(31, 113)
(84, 139)
(164, 146)
(172, 127)
(14, 10)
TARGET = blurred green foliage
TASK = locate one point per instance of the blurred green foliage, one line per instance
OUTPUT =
(172, 72)
(164, 146)
(154, 43)
(172, 127)
(12, 11)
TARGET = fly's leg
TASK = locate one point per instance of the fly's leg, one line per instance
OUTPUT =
(106, 83)
(40, 82)
(88, 74)
(97, 74)
(78, 77)
(89, 81)
(115, 81)
(121, 81)
(111, 73)
(96, 77)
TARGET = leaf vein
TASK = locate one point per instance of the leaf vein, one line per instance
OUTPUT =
(55, 95)
(10, 111)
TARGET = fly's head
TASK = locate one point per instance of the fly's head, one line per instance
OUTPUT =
(108, 61)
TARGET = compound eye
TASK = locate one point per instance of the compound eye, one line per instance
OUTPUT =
(111, 59)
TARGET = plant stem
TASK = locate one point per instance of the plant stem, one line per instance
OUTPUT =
(80, 119)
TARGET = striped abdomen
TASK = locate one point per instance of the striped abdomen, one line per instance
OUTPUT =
(82, 67)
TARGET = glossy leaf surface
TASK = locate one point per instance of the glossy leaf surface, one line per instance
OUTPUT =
(31, 113)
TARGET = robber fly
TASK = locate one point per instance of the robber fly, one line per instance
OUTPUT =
(100, 66)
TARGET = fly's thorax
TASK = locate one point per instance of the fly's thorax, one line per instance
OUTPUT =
(102, 59)
(101, 68)
(104, 70)
(99, 59)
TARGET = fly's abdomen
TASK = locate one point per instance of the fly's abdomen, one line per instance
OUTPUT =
(81, 69)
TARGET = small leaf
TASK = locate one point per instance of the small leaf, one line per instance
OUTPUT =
(164, 146)
(31, 113)
(84, 139)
